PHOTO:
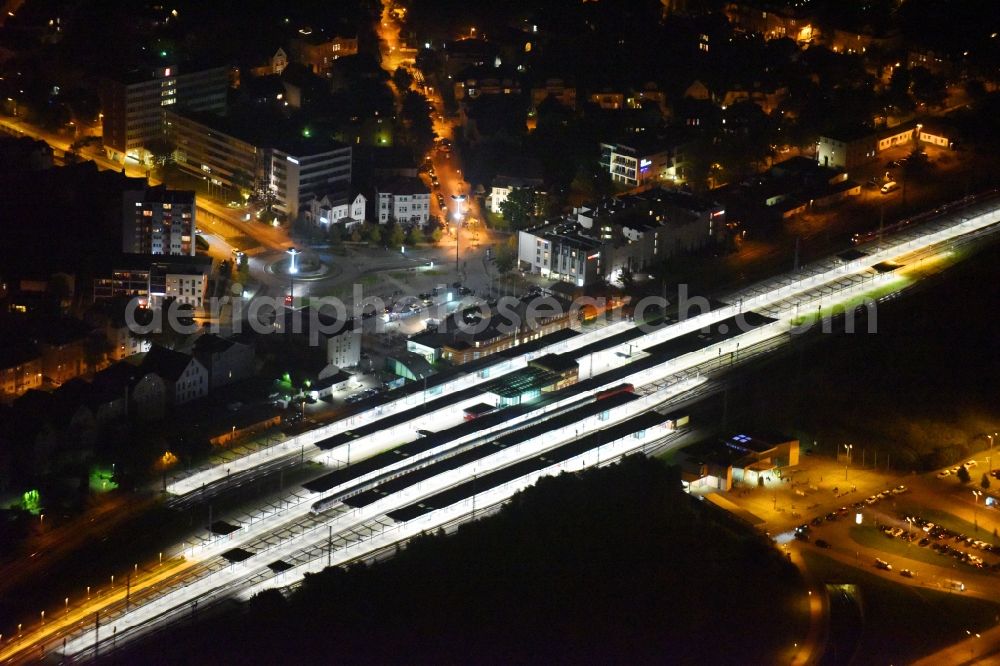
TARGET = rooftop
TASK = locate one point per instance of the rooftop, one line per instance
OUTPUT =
(755, 442)
(520, 382)
(166, 363)
(402, 185)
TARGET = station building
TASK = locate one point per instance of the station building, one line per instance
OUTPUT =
(738, 458)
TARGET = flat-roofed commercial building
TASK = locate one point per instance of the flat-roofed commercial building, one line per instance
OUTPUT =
(611, 237)
(304, 170)
(207, 148)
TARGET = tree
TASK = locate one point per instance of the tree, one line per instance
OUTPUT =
(963, 474)
(628, 279)
(416, 115)
(985, 483)
(334, 234)
(927, 87)
(162, 151)
(505, 258)
(356, 234)
(520, 207)
(373, 233)
(264, 198)
(243, 270)
(402, 78)
(243, 182)
(975, 89)
(437, 234)
(414, 236)
(916, 163)
(397, 236)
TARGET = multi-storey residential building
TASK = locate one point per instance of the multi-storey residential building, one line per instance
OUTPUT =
(340, 207)
(641, 162)
(339, 338)
(122, 342)
(184, 279)
(483, 81)
(133, 105)
(774, 20)
(169, 378)
(318, 51)
(187, 287)
(502, 186)
(303, 170)
(158, 221)
(609, 100)
(228, 360)
(405, 200)
(20, 369)
(207, 148)
(555, 89)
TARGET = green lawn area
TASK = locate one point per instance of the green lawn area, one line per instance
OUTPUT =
(868, 535)
(904, 623)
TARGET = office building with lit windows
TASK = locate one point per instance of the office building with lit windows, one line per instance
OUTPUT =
(209, 147)
(306, 169)
(133, 104)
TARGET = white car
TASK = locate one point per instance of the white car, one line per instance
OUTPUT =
(971, 464)
(943, 473)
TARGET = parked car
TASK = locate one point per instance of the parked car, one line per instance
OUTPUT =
(891, 186)
(906, 573)
(822, 543)
(882, 564)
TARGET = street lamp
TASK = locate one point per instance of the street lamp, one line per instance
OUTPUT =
(975, 508)
(459, 199)
(293, 267)
(848, 447)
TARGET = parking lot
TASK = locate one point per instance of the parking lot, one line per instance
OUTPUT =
(929, 530)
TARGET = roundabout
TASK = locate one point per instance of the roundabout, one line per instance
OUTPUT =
(299, 266)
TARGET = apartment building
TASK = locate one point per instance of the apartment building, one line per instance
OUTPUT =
(639, 162)
(20, 369)
(157, 220)
(185, 279)
(405, 200)
(319, 51)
